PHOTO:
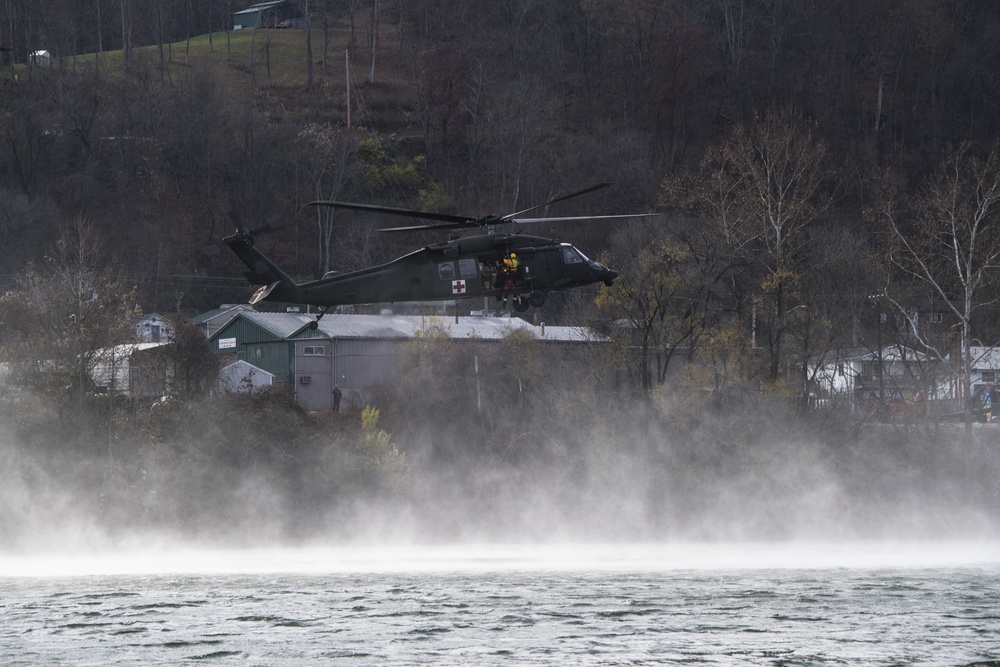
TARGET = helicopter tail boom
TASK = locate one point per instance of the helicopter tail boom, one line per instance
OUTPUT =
(276, 285)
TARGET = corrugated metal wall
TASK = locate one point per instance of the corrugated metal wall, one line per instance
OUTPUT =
(363, 363)
(354, 365)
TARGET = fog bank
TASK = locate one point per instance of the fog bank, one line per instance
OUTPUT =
(747, 476)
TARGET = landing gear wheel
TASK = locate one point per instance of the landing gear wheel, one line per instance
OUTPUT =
(520, 304)
(536, 299)
(315, 323)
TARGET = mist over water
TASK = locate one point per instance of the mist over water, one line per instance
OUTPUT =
(584, 538)
(256, 472)
(625, 489)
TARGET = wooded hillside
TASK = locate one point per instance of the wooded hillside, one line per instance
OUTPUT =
(787, 144)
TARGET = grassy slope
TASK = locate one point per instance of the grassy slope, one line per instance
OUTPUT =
(273, 63)
(287, 53)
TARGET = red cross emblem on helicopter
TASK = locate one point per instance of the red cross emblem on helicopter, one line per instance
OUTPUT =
(458, 287)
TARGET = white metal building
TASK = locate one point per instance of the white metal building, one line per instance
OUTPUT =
(240, 377)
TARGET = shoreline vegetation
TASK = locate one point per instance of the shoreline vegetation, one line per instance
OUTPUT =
(257, 471)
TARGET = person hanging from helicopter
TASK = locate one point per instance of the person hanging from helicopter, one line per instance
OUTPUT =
(510, 270)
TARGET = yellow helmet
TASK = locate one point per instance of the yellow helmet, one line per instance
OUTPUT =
(513, 256)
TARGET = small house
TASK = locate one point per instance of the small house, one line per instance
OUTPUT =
(870, 375)
(240, 377)
(153, 328)
(274, 14)
(984, 363)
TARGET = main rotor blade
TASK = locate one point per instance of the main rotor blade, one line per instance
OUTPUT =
(460, 222)
(425, 215)
(559, 198)
(424, 228)
(526, 221)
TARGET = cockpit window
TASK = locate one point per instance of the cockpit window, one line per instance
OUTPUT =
(572, 256)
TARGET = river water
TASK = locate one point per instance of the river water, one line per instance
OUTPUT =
(712, 604)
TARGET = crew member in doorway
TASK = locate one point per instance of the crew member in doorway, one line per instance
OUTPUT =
(337, 395)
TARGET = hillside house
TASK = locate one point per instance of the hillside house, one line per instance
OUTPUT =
(274, 14)
(153, 328)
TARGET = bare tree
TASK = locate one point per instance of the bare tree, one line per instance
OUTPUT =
(126, 23)
(947, 238)
(327, 156)
(654, 298)
(309, 47)
(195, 365)
(58, 319)
(760, 189)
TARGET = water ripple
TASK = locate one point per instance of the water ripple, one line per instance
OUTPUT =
(836, 616)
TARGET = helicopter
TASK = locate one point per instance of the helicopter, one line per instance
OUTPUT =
(512, 267)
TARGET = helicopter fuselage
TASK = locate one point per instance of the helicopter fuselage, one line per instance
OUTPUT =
(456, 269)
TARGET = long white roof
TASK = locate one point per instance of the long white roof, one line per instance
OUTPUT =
(465, 327)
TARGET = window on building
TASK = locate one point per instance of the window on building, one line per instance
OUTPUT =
(258, 352)
(989, 376)
(314, 351)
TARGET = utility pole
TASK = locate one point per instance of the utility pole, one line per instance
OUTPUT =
(374, 41)
(156, 285)
(347, 78)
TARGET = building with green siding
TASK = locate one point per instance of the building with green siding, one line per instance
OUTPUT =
(261, 339)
